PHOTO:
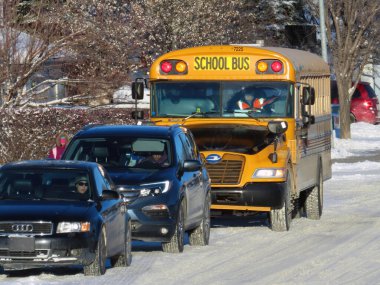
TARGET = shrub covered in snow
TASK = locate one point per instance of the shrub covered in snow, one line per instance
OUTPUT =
(30, 133)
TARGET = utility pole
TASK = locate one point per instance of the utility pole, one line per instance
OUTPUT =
(323, 30)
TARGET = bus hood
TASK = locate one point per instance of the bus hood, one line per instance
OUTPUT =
(248, 139)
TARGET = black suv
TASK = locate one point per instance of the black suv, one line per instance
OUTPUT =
(161, 174)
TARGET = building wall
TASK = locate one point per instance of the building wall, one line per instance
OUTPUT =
(371, 74)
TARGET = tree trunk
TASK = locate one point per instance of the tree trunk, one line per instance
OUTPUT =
(345, 104)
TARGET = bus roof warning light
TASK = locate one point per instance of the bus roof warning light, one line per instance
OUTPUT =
(166, 66)
(276, 66)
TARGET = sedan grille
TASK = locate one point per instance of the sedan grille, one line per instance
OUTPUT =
(225, 172)
(30, 228)
(42, 253)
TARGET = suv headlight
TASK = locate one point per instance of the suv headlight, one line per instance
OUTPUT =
(155, 188)
(73, 227)
(269, 173)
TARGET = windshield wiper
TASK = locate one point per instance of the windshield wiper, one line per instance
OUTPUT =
(196, 114)
(249, 113)
(169, 116)
(201, 114)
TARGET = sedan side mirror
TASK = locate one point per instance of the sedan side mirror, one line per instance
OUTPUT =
(110, 195)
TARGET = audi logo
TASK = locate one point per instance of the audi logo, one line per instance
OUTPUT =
(22, 228)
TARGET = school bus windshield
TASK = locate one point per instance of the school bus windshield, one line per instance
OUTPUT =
(222, 99)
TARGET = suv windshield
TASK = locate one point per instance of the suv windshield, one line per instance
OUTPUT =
(222, 99)
(47, 184)
(138, 152)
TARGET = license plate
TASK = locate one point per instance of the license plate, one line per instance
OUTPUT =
(25, 244)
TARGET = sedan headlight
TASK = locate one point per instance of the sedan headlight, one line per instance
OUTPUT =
(73, 227)
(269, 173)
(155, 188)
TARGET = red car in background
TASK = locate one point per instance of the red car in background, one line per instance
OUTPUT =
(364, 103)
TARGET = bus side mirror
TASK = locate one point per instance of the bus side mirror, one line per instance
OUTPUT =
(308, 96)
(277, 127)
(308, 120)
(137, 115)
(138, 90)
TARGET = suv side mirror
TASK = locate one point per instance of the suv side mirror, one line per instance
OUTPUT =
(308, 96)
(192, 165)
(137, 90)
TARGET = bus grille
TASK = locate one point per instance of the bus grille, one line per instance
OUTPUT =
(225, 172)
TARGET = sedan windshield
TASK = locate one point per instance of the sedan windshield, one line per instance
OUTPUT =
(29, 184)
(222, 99)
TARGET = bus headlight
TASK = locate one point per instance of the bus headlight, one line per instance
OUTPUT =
(269, 173)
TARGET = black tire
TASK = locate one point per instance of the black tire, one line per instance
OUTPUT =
(200, 236)
(281, 218)
(98, 267)
(299, 206)
(124, 259)
(314, 199)
(176, 243)
(297, 211)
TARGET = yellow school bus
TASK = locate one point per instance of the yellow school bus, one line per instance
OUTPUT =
(261, 118)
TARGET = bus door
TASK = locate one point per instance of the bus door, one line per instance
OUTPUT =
(304, 119)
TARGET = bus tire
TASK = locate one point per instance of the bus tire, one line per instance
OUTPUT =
(298, 208)
(280, 219)
(314, 199)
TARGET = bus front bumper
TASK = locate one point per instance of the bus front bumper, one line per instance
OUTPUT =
(252, 197)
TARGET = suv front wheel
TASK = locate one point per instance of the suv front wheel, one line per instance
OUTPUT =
(176, 243)
(201, 235)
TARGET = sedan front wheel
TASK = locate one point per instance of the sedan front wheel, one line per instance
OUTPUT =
(98, 267)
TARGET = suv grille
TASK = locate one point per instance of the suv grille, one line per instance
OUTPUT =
(225, 172)
(30, 228)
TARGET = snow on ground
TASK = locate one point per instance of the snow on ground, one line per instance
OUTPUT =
(123, 98)
(365, 139)
(341, 248)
